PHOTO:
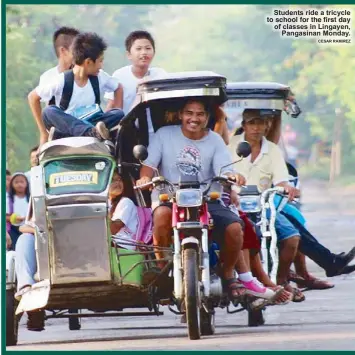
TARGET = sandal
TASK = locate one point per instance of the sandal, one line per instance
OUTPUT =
(310, 283)
(260, 303)
(234, 288)
(284, 297)
(298, 296)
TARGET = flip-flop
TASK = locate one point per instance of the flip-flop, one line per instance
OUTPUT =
(286, 295)
(317, 284)
(309, 284)
(260, 303)
(298, 296)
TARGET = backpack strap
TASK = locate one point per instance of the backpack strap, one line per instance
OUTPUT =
(67, 89)
(69, 85)
(94, 80)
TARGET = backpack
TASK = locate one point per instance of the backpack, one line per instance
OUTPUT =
(69, 85)
(145, 223)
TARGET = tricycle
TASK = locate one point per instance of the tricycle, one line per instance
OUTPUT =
(79, 266)
(273, 99)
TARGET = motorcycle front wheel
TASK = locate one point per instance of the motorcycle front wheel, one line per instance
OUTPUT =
(191, 285)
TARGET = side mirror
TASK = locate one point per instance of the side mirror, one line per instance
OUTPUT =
(140, 152)
(243, 149)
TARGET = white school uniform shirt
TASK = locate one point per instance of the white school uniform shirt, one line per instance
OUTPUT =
(48, 77)
(82, 96)
(126, 212)
(129, 83)
(20, 207)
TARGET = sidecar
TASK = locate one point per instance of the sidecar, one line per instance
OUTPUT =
(78, 266)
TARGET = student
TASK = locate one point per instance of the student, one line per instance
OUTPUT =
(17, 205)
(62, 41)
(124, 214)
(140, 50)
(79, 90)
(26, 268)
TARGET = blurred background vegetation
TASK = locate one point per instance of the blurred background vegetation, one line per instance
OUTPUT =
(233, 40)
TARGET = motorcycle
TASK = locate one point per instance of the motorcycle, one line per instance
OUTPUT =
(197, 290)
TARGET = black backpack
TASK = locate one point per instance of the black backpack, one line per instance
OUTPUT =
(68, 90)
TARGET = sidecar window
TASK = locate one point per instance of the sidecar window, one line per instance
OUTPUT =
(77, 175)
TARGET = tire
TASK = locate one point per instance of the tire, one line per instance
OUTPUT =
(255, 318)
(207, 322)
(12, 320)
(191, 293)
(74, 322)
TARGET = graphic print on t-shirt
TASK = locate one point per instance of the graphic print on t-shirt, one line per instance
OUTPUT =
(189, 161)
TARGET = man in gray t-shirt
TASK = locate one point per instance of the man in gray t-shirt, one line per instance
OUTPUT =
(170, 148)
(189, 149)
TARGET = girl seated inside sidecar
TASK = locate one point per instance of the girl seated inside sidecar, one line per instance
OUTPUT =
(130, 224)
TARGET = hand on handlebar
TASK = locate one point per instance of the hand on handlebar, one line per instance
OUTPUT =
(237, 178)
(143, 181)
(292, 192)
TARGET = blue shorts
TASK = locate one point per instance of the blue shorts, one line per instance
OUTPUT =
(284, 228)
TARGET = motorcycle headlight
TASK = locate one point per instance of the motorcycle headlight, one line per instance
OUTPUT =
(250, 204)
(189, 198)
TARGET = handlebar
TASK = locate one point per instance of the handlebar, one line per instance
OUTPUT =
(158, 180)
(161, 180)
(277, 189)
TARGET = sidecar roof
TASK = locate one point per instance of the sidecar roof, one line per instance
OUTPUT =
(73, 146)
(256, 95)
(170, 90)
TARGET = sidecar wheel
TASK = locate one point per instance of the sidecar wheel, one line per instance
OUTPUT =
(12, 320)
(74, 322)
(207, 322)
(255, 318)
(191, 293)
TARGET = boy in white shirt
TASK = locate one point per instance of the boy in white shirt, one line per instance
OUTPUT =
(140, 50)
(79, 89)
(62, 41)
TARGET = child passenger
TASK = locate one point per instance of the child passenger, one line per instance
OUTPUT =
(17, 205)
(77, 94)
(124, 214)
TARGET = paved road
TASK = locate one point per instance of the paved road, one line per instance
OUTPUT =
(325, 321)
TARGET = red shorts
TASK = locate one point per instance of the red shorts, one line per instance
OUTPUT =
(251, 240)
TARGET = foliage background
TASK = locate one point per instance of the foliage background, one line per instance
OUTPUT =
(233, 40)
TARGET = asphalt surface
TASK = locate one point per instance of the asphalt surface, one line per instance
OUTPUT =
(325, 321)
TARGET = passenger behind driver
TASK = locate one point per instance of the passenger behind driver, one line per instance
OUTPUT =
(266, 166)
(123, 213)
(61, 119)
